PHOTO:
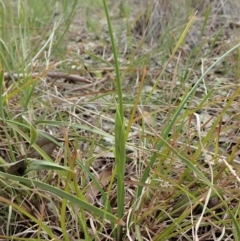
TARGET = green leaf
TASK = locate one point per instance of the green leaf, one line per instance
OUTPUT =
(67, 196)
(46, 165)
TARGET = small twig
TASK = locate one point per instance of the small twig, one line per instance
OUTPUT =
(55, 75)
(91, 85)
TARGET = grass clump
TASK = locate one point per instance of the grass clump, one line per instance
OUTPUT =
(139, 128)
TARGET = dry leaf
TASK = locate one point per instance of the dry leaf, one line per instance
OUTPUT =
(104, 179)
(44, 143)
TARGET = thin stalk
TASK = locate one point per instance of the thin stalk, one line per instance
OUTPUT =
(120, 138)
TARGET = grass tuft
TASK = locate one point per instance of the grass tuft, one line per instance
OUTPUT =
(119, 120)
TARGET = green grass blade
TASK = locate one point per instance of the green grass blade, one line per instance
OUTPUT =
(63, 194)
(120, 149)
